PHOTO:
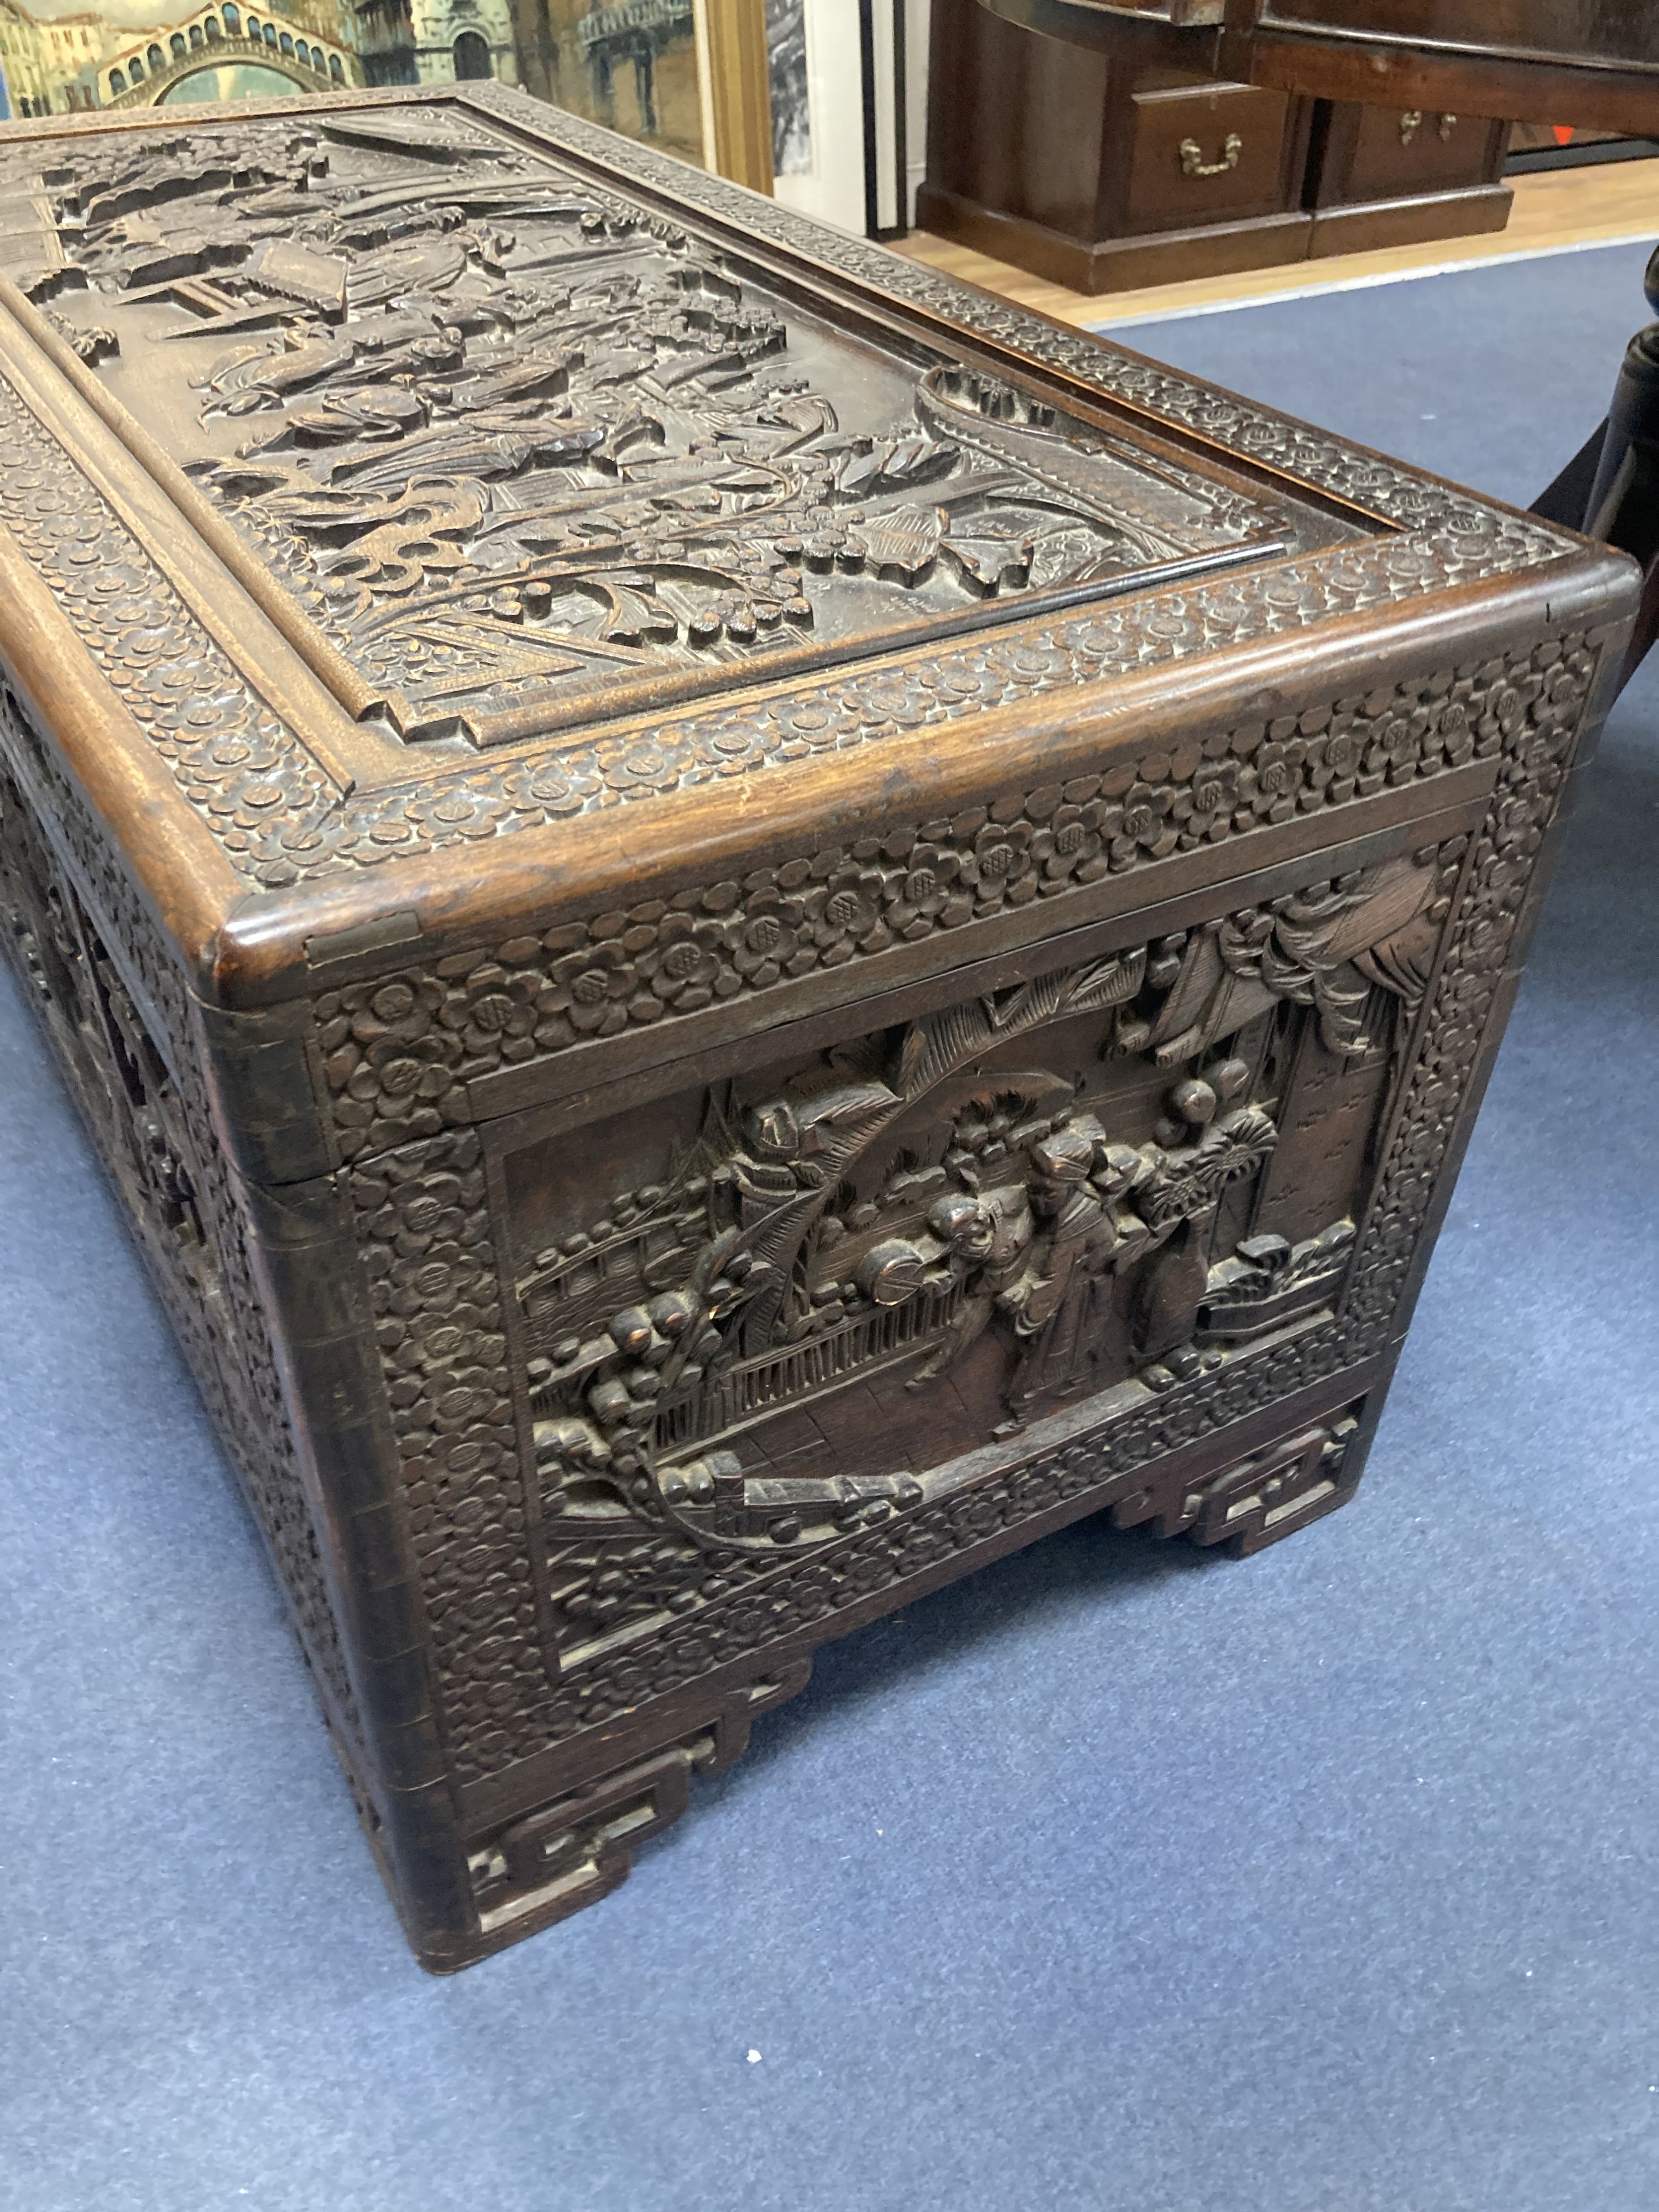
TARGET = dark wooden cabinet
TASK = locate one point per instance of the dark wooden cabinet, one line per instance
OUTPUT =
(1383, 176)
(1103, 170)
(1223, 151)
(1537, 61)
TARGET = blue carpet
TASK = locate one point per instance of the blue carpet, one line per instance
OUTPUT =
(1118, 1878)
(1494, 377)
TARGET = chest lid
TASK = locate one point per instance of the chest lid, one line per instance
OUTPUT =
(422, 510)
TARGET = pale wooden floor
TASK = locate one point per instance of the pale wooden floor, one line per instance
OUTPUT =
(1555, 209)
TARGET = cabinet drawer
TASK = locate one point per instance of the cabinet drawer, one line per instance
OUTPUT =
(1206, 153)
(1385, 153)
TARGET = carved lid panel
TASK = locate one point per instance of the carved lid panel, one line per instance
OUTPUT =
(530, 455)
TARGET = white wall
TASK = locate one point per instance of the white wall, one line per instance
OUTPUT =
(834, 190)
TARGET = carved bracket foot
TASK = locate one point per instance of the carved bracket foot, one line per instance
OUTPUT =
(1278, 1491)
(1269, 1496)
(545, 1865)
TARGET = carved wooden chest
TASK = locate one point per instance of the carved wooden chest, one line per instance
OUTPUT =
(743, 928)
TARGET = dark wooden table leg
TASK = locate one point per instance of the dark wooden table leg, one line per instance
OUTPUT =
(1610, 488)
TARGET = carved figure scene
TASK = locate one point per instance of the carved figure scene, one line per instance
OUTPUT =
(859, 1268)
(60, 952)
(528, 453)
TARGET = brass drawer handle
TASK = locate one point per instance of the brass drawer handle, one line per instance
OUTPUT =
(1411, 122)
(1192, 163)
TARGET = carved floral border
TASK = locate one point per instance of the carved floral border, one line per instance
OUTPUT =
(399, 1051)
(424, 1219)
(280, 819)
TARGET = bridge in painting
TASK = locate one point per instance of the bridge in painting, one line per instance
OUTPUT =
(220, 35)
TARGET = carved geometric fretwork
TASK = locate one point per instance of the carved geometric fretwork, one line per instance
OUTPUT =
(1270, 1495)
(573, 1850)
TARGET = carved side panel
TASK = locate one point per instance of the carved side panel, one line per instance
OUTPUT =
(138, 1086)
(851, 1273)
(703, 1363)
(1052, 1210)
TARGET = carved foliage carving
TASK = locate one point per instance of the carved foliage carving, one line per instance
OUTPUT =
(520, 470)
(428, 1236)
(882, 705)
(149, 960)
(1105, 1461)
(1278, 441)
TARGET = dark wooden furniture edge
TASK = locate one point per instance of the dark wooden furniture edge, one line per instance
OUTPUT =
(1334, 65)
(1109, 265)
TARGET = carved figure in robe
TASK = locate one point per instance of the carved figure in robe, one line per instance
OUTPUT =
(984, 1238)
(1056, 1306)
(1182, 1198)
